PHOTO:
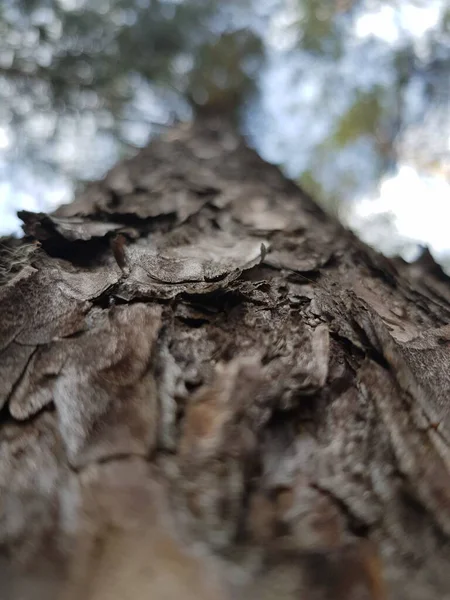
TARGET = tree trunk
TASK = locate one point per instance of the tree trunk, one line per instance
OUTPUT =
(212, 390)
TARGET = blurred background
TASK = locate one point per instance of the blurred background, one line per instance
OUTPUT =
(350, 97)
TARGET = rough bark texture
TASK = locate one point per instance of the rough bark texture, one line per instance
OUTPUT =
(210, 390)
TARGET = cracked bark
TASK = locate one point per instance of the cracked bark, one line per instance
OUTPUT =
(210, 389)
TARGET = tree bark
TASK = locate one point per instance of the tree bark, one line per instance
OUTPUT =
(211, 389)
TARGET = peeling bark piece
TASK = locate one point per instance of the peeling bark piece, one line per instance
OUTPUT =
(34, 391)
(43, 227)
(13, 307)
(93, 199)
(152, 204)
(105, 395)
(206, 260)
(127, 545)
(298, 254)
(13, 362)
(301, 263)
(51, 301)
(86, 284)
(139, 285)
(79, 283)
(35, 309)
(146, 191)
(197, 268)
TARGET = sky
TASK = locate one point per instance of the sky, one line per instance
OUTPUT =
(411, 205)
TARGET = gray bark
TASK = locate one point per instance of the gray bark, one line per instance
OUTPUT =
(210, 389)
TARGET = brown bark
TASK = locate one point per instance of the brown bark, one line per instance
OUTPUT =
(210, 390)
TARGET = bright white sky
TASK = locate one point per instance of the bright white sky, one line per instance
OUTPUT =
(419, 206)
(419, 202)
